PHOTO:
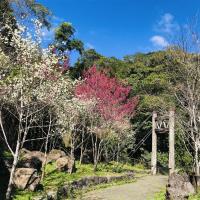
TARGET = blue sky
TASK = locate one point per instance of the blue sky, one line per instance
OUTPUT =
(123, 27)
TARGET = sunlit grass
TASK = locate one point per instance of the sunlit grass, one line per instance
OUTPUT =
(54, 179)
(195, 197)
(159, 195)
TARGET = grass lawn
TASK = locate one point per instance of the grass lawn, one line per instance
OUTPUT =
(55, 179)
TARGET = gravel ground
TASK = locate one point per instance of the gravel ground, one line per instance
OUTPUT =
(143, 189)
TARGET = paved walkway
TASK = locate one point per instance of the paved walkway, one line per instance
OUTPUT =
(143, 189)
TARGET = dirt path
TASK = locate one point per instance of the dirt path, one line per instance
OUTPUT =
(143, 189)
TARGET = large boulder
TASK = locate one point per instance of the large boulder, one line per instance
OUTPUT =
(24, 151)
(30, 162)
(179, 187)
(66, 164)
(31, 159)
(54, 155)
(36, 154)
(26, 178)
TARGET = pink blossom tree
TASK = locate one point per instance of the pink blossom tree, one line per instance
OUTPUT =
(113, 101)
(111, 110)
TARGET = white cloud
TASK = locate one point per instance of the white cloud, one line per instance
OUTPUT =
(159, 41)
(167, 24)
(57, 19)
(48, 35)
(89, 45)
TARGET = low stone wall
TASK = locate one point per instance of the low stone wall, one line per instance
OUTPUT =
(86, 182)
(66, 190)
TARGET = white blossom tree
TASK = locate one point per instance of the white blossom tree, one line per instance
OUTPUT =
(31, 83)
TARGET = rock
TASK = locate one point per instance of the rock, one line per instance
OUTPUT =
(52, 195)
(26, 178)
(54, 155)
(30, 162)
(36, 154)
(24, 151)
(179, 187)
(62, 164)
(67, 190)
(65, 164)
(41, 197)
(64, 191)
(31, 159)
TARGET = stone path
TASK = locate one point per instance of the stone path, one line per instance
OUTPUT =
(143, 189)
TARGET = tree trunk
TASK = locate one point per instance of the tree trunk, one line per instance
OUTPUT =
(15, 161)
(46, 149)
(72, 153)
(197, 166)
(81, 156)
(118, 150)
(82, 147)
(95, 153)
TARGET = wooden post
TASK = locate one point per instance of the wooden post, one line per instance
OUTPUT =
(154, 145)
(171, 142)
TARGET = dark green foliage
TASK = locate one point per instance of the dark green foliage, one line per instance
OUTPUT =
(153, 76)
(88, 59)
(150, 78)
(184, 160)
(64, 39)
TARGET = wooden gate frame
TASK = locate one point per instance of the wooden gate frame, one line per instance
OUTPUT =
(163, 124)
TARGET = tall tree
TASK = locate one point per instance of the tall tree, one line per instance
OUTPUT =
(64, 39)
(187, 91)
(112, 107)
